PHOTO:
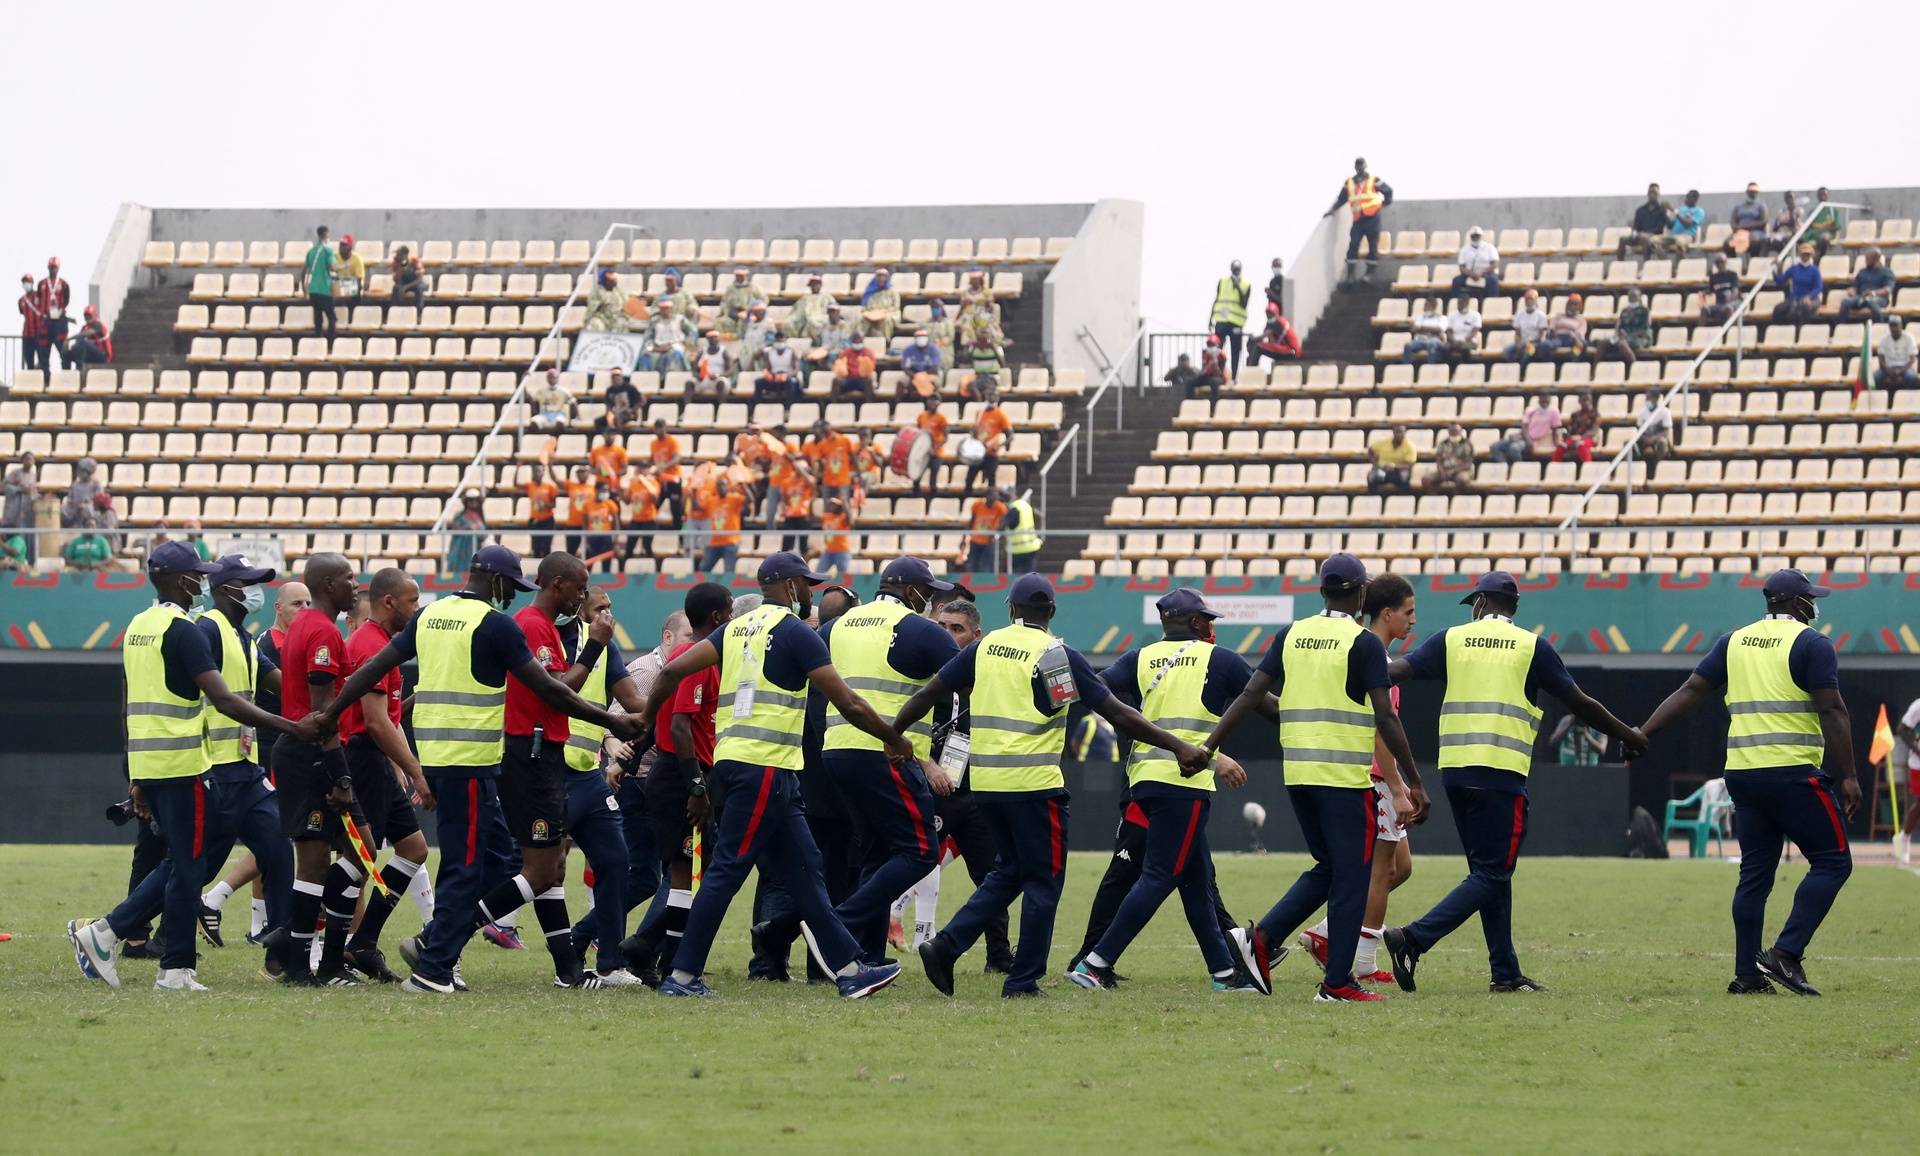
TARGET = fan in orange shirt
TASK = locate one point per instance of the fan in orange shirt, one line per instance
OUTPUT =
(723, 548)
(991, 428)
(796, 507)
(665, 456)
(984, 519)
(579, 493)
(609, 458)
(542, 496)
(643, 504)
(934, 423)
(601, 518)
(836, 554)
(832, 455)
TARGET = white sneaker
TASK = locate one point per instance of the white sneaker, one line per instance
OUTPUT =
(96, 960)
(177, 979)
(620, 978)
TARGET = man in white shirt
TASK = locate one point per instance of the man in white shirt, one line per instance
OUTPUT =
(1897, 354)
(668, 336)
(1463, 331)
(1906, 759)
(1529, 323)
(1478, 261)
(1656, 428)
(1429, 338)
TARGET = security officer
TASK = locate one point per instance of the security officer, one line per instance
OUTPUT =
(1228, 320)
(241, 803)
(1021, 681)
(959, 813)
(1333, 699)
(767, 658)
(886, 649)
(1488, 725)
(1782, 684)
(1367, 195)
(1183, 683)
(1199, 688)
(467, 648)
(1023, 543)
(167, 668)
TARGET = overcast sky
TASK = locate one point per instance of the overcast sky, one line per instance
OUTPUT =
(1234, 123)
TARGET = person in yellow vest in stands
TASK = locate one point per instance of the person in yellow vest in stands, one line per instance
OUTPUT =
(1367, 195)
(168, 668)
(1781, 678)
(1021, 681)
(1332, 678)
(768, 659)
(1228, 319)
(1023, 537)
(1494, 670)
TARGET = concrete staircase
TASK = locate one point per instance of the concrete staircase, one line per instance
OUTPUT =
(1116, 453)
(143, 333)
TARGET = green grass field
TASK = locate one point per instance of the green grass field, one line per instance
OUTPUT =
(1636, 1049)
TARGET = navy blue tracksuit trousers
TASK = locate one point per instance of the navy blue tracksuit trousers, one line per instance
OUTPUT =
(893, 811)
(1030, 864)
(180, 809)
(1338, 824)
(645, 879)
(245, 810)
(594, 825)
(1771, 805)
(469, 826)
(1176, 856)
(1492, 826)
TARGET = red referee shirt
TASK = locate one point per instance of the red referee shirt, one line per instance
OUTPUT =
(524, 708)
(695, 697)
(366, 642)
(312, 654)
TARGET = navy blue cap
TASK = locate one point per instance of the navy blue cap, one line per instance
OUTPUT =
(239, 570)
(1793, 584)
(787, 564)
(177, 558)
(910, 571)
(1342, 572)
(1493, 582)
(1184, 601)
(1031, 590)
(497, 559)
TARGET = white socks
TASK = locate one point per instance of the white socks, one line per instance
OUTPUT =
(420, 888)
(1363, 956)
(926, 897)
(217, 895)
(257, 921)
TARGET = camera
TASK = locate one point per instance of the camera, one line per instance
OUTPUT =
(120, 813)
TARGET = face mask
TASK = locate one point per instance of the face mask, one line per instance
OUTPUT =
(499, 599)
(252, 598)
(938, 311)
(199, 594)
(565, 619)
(1813, 610)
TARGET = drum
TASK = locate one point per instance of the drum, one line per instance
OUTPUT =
(971, 450)
(912, 451)
(874, 316)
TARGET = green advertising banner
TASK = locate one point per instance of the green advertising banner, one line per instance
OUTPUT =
(1579, 613)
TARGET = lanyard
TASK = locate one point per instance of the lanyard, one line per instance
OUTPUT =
(1165, 667)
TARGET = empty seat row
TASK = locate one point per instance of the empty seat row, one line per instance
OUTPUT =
(1896, 231)
(216, 287)
(640, 251)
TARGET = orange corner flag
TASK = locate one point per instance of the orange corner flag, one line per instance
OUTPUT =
(1882, 739)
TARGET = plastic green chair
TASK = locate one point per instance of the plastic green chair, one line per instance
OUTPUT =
(1704, 824)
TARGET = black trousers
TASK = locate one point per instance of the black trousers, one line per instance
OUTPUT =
(1123, 871)
(1234, 338)
(149, 851)
(323, 311)
(542, 537)
(961, 821)
(1364, 229)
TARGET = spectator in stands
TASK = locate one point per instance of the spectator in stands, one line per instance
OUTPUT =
(194, 536)
(1649, 227)
(723, 547)
(602, 519)
(76, 509)
(1541, 425)
(983, 358)
(1429, 337)
(1228, 318)
(1213, 368)
(986, 516)
(579, 493)
(1182, 375)
(1688, 226)
(1368, 196)
(609, 458)
(1566, 330)
(542, 497)
(409, 280)
(1803, 285)
(756, 335)
(1478, 261)
(349, 271)
(1632, 332)
(880, 307)
(854, 371)
(809, 316)
(778, 377)
(1276, 289)
(991, 428)
(712, 370)
(1452, 463)
(977, 305)
(54, 296)
(700, 497)
(92, 346)
(13, 552)
(1722, 294)
(1655, 423)
(934, 424)
(1463, 331)
(1529, 326)
(669, 334)
(623, 404)
(1393, 458)
(1828, 221)
(464, 533)
(107, 520)
(22, 492)
(940, 328)
(836, 546)
(738, 302)
(684, 303)
(34, 346)
(1749, 221)
(1576, 438)
(1510, 448)
(1785, 224)
(1872, 291)
(830, 339)
(1277, 342)
(665, 457)
(922, 364)
(831, 453)
(1897, 353)
(797, 489)
(642, 495)
(316, 276)
(607, 305)
(555, 402)
(89, 550)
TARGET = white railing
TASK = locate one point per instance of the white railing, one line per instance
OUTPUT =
(1069, 445)
(1128, 353)
(514, 405)
(1680, 388)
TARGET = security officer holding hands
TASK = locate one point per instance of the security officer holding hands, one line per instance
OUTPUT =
(1782, 683)
(1022, 680)
(168, 666)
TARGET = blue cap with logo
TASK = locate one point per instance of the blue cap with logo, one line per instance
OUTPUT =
(177, 558)
(787, 564)
(1341, 572)
(1790, 583)
(1031, 590)
(238, 570)
(497, 559)
(910, 571)
(1493, 582)
(1183, 602)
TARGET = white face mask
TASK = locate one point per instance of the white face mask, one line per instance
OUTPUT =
(252, 598)
(920, 341)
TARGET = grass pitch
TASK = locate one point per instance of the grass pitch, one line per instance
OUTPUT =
(1635, 1049)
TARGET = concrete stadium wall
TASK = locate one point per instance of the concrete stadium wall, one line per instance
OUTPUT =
(119, 261)
(1312, 276)
(1601, 211)
(1095, 288)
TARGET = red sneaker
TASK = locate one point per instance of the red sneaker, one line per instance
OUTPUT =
(507, 937)
(896, 934)
(1345, 995)
(1316, 946)
(1377, 977)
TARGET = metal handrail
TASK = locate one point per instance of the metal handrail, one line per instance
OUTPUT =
(1067, 444)
(1733, 323)
(512, 406)
(1107, 382)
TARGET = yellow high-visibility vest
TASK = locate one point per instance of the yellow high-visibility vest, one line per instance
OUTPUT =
(1487, 720)
(227, 740)
(1230, 301)
(584, 738)
(1773, 723)
(1015, 746)
(458, 721)
(859, 644)
(1326, 738)
(1171, 676)
(166, 734)
(1024, 539)
(1364, 197)
(770, 735)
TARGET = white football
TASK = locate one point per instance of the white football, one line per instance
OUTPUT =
(1255, 815)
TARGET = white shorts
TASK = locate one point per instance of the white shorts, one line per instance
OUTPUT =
(1386, 820)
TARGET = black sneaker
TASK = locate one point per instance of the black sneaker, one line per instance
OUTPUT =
(638, 946)
(210, 924)
(579, 980)
(145, 949)
(371, 962)
(772, 958)
(1023, 993)
(938, 965)
(998, 967)
(337, 977)
(1786, 971)
(1092, 977)
(1750, 985)
(1404, 955)
(1518, 983)
(648, 976)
